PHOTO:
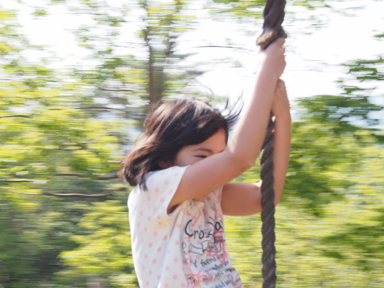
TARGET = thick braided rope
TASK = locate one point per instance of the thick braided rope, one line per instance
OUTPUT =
(273, 18)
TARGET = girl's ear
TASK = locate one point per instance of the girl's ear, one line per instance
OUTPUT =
(165, 164)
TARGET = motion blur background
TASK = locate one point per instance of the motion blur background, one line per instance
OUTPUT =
(78, 77)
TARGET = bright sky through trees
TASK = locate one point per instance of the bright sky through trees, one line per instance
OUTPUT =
(315, 48)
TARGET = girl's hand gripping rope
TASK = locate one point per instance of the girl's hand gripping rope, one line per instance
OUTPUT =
(271, 61)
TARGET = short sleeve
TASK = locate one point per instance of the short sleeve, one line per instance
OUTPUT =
(162, 186)
(218, 192)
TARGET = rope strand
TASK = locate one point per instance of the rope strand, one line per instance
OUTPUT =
(273, 18)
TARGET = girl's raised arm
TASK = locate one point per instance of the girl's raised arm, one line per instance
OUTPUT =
(209, 173)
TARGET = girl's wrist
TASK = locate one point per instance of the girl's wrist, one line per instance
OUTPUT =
(266, 74)
(284, 115)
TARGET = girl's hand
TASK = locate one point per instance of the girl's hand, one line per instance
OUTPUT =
(280, 104)
(271, 61)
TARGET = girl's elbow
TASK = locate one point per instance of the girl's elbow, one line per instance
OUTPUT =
(244, 160)
(278, 195)
(244, 163)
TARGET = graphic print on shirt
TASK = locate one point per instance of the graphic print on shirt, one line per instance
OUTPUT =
(204, 248)
(210, 241)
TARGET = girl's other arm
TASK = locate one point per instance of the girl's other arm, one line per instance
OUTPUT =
(282, 143)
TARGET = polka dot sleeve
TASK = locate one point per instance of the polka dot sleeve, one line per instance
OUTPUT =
(162, 185)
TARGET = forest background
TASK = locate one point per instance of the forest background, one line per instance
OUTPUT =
(65, 127)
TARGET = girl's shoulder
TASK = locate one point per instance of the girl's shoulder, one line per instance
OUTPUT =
(165, 177)
(161, 187)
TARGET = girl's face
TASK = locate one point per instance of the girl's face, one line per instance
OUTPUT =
(193, 153)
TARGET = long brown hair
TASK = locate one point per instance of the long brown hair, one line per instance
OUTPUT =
(172, 126)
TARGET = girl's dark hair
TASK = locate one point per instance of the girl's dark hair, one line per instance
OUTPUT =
(172, 126)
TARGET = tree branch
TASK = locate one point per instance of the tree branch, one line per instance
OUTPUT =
(79, 195)
(230, 47)
(103, 109)
(106, 177)
(17, 180)
(16, 115)
(116, 90)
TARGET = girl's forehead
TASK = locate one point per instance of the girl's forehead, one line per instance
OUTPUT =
(214, 144)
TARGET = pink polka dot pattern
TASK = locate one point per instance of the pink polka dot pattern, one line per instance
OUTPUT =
(161, 242)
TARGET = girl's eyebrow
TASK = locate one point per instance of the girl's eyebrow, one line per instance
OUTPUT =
(203, 149)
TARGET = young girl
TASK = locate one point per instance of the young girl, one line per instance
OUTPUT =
(181, 168)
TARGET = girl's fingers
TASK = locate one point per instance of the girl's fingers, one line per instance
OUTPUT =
(278, 42)
(272, 59)
(279, 86)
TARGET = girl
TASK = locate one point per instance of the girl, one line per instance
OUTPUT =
(181, 168)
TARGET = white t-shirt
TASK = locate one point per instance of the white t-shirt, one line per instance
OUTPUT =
(183, 249)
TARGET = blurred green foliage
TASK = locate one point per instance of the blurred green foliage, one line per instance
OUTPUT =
(329, 223)
(57, 141)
